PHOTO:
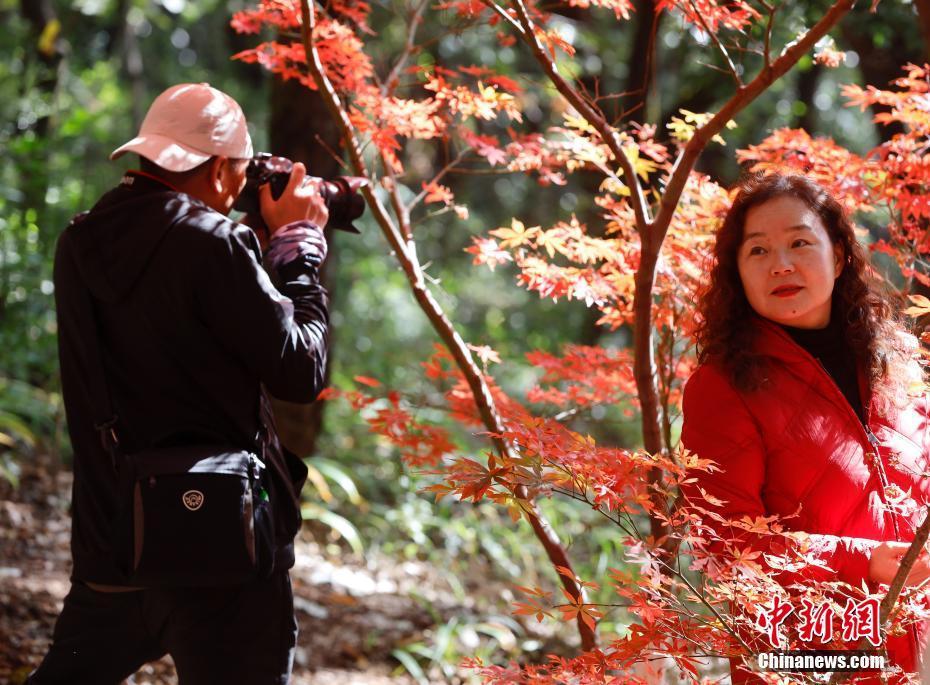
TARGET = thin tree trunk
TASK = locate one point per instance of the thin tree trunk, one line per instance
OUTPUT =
(48, 55)
(643, 62)
(299, 122)
(48, 51)
(807, 88)
(923, 16)
(131, 60)
(639, 89)
(879, 66)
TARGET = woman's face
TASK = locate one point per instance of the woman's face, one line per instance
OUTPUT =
(788, 264)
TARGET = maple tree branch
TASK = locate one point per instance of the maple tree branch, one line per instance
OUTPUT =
(400, 209)
(337, 111)
(403, 250)
(409, 46)
(767, 50)
(591, 114)
(406, 255)
(438, 177)
(500, 11)
(739, 101)
(887, 606)
(335, 156)
(582, 496)
(714, 37)
(644, 361)
(717, 615)
(426, 217)
(704, 650)
(713, 67)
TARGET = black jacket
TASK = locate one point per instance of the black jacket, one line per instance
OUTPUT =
(190, 329)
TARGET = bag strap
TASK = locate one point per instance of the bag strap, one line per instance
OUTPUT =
(105, 415)
(95, 379)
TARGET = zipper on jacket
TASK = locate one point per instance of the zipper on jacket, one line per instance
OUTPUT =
(871, 451)
(872, 454)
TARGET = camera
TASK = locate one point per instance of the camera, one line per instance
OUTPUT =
(340, 194)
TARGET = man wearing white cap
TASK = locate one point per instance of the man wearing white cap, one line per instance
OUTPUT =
(163, 302)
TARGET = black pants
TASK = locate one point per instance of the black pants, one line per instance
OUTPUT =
(243, 634)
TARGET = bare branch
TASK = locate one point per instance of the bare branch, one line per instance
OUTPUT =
(505, 16)
(767, 50)
(713, 67)
(337, 158)
(408, 261)
(591, 113)
(438, 177)
(422, 219)
(723, 51)
(671, 570)
(743, 96)
(409, 47)
(644, 365)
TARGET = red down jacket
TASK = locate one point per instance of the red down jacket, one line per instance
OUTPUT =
(799, 442)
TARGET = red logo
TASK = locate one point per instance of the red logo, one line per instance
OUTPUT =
(859, 620)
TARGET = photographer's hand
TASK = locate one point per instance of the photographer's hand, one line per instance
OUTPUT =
(300, 201)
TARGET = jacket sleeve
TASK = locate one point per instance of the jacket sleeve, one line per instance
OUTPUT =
(280, 333)
(719, 427)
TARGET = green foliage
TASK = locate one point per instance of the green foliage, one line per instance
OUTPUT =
(30, 419)
(437, 657)
(321, 474)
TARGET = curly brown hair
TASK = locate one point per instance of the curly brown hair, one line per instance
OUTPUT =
(867, 314)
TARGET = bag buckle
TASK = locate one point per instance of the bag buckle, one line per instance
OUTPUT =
(108, 438)
(255, 468)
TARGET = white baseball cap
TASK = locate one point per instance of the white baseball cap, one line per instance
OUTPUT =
(188, 124)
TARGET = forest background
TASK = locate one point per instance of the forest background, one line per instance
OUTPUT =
(76, 79)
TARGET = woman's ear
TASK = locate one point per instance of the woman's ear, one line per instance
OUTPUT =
(839, 259)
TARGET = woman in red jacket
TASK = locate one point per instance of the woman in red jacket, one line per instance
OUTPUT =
(801, 396)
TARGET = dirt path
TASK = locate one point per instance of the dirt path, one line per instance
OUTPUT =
(351, 616)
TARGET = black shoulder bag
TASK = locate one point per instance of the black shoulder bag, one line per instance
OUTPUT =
(192, 515)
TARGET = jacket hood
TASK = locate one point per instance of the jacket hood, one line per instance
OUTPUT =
(112, 243)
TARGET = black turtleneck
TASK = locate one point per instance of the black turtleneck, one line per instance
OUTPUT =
(828, 346)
